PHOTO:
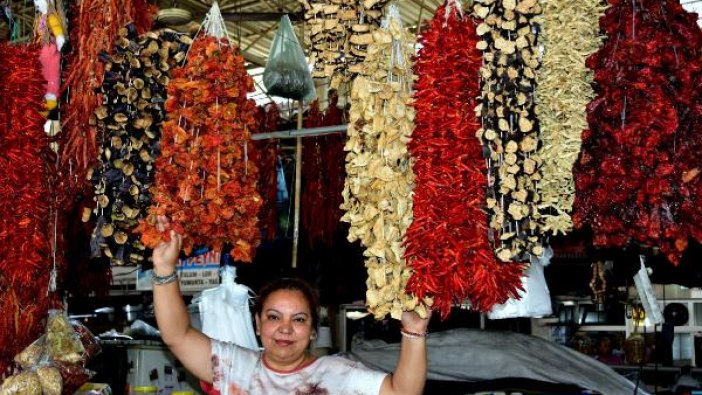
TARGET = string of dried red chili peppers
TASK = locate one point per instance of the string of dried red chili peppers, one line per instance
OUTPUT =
(312, 184)
(265, 155)
(447, 245)
(205, 182)
(83, 77)
(25, 205)
(323, 177)
(510, 129)
(637, 175)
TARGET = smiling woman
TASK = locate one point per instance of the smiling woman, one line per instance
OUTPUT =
(286, 319)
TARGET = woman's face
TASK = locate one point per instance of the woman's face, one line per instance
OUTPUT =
(285, 325)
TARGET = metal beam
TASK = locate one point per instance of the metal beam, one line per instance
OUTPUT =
(260, 16)
(306, 132)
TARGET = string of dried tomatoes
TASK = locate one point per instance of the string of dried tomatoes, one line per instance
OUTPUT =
(205, 182)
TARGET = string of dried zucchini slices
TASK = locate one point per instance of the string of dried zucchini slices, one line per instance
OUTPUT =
(379, 181)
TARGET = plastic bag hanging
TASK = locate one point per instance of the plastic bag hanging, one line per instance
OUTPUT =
(225, 312)
(287, 73)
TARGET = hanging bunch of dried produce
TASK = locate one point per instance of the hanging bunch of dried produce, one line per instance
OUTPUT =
(509, 126)
(323, 170)
(129, 129)
(313, 192)
(205, 182)
(26, 211)
(334, 160)
(447, 245)
(637, 175)
(379, 181)
(265, 155)
(83, 78)
(338, 33)
(563, 91)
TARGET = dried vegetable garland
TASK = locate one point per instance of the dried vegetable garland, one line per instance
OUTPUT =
(563, 92)
(323, 183)
(84, 77)
(637, 176)
(447, 245)
(313, 192)
(129, 126)
(338, 33)
(205, 182)
(379, 181)
(25, 207)
(509, 126)
(264, 154)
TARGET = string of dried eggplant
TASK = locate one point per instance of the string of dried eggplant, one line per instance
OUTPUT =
(129, 127)
(379, 182)
(509, 130)
(337, 33)
(563, 91)
(447, 245)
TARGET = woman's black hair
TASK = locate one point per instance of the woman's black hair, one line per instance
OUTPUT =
(290, 284)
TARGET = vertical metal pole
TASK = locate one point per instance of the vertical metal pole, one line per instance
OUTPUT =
(298, 186)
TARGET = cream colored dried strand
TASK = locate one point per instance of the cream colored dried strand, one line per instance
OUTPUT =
(379, 182)
(564, 89)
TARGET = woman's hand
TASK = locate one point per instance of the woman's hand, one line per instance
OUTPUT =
(166, 253)
(412, 322)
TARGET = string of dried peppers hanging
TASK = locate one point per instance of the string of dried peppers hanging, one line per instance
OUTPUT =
(265, 155)
(129, 128)
(338, 33)
(205, 182)
(313, 192)
(563, 91)
(509, 126)
(26, 219)
(83, 78)
(447, 245)
(379, 181)
(637, 175)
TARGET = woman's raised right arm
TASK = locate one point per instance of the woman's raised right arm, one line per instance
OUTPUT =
(190, 346)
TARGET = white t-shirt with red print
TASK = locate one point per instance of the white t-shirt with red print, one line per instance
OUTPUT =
(240, 371)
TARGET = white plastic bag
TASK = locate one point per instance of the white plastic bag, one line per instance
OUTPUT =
(225, 312)
(535, 299)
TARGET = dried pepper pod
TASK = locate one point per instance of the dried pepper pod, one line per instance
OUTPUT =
(507, 111)
(447, 245)
(205, 182)
(379, 181)
(563, 92)
(338, 34)
(636, 177)
(129, 131)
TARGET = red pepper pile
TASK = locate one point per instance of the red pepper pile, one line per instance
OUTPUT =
(636, 178)
(265, 155)
(205, 182)
(447, 244)
(26, 220)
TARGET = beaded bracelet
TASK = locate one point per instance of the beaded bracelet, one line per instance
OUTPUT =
(163, 280)
(413, 335)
